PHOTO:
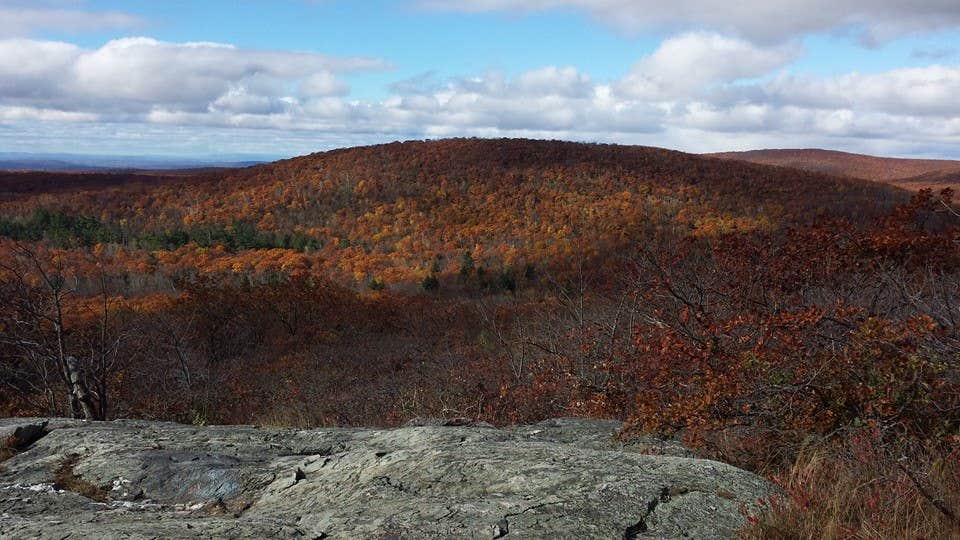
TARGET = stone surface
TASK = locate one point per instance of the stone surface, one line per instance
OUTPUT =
(564, 478)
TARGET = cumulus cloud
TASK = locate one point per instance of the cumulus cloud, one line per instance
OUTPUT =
(136, 75)
(33, 70)
(323, 84)
(905, 104)
(554, 81)
(910, 105)
(926, 91)
(690, 63)
(698, 91)
(546, 99)
(873, 21)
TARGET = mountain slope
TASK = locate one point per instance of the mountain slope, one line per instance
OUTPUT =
(912, 174)
(402, 211)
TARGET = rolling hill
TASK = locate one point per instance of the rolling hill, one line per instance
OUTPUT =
(404, 211)
(911, 174)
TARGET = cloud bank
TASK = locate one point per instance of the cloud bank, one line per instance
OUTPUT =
(699, 90)
(141, 75)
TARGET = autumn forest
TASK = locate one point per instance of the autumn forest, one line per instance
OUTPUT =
(794, 323)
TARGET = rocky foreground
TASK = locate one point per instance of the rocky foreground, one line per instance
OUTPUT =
(565, 478)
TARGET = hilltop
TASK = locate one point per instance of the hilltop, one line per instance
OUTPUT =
(912, 174)
(405, 211)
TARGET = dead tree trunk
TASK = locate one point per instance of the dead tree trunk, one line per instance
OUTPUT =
(79, 395)
(37, 301)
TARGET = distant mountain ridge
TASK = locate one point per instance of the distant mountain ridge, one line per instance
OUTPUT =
(17, 161)
(912, 174)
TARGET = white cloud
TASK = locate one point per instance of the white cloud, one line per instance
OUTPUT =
(546, 99)
(26, 18)
(19, 114)
(554, 81)
(240, 100)
(34, 69)
(323, 84)
(926, 91)
(697, 91)
(763, 20)
(136, 75)
(690, 63)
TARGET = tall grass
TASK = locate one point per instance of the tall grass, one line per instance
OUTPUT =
(863, 488)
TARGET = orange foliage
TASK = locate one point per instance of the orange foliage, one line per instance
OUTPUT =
(389, 211)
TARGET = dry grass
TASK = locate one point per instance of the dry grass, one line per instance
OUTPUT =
(295, 415)
(8, 449)
(861, 490)
(67, 479)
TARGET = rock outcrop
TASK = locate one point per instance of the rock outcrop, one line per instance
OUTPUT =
(565, 478)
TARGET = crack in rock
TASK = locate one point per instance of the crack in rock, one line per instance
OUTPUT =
(640, 527)
(501, 529)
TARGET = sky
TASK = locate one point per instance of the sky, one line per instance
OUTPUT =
(277, 78)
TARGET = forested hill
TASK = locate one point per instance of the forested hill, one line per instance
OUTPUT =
(912, 174)
(404, 211)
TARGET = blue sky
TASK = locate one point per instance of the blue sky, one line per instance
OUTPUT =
(415, 40)
(129, 77)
